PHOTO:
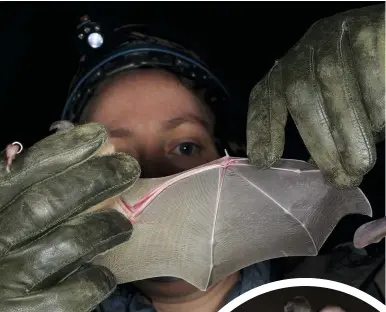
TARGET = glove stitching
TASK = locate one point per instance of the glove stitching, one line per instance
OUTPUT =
(63, 264)
(270, 108)
(60, 156)
(50, 225)
(317, 94)
(284, 97)
(347, 91)
(270, 156)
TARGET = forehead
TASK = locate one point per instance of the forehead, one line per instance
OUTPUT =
(143, 92)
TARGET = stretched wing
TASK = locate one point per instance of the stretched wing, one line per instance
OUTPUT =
(288, 210)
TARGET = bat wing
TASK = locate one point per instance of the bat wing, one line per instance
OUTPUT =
(207, 223)
(287, 210)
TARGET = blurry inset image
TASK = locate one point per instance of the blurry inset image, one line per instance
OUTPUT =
(309, 298)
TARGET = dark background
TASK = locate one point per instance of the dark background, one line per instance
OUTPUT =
(318, 298)
(240, 40)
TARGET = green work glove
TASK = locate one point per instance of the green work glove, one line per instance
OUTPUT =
(333, 84)
(44, 244)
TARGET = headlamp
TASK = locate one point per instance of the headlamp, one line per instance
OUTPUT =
(90, 31)
(132, 46)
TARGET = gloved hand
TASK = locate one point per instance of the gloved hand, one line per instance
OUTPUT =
(44, 243)
(333, 84)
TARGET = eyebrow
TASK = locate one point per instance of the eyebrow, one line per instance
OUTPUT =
(190, 118)
(166, 125)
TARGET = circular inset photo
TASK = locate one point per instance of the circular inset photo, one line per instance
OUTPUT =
(305, 295)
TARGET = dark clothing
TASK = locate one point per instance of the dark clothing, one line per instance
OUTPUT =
(128, 298)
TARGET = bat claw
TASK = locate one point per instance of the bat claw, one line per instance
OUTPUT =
(61, 125)
(20, 147)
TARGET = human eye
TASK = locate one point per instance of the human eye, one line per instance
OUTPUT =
(186, 149)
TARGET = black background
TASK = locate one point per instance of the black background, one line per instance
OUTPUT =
(240, 40)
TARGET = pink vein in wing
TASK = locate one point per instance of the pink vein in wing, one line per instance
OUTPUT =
(140, 205)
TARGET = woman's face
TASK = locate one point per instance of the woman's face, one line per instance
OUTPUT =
(152, 116)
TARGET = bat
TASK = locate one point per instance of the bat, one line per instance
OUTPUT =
(369, 233)
(205, 223)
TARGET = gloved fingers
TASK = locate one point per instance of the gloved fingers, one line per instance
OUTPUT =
(80, 292)
(60, 252)
(367, 37)
(328, 83)
(325, 102)
(267, 117)
(50, 156)
(370, 233)
(50, 202)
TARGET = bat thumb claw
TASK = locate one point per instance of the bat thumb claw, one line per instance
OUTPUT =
(61, 125)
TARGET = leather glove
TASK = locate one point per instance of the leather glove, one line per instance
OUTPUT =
(333, 84)
(45, 244)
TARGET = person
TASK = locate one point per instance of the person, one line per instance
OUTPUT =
(170, 130)
(161, 105)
